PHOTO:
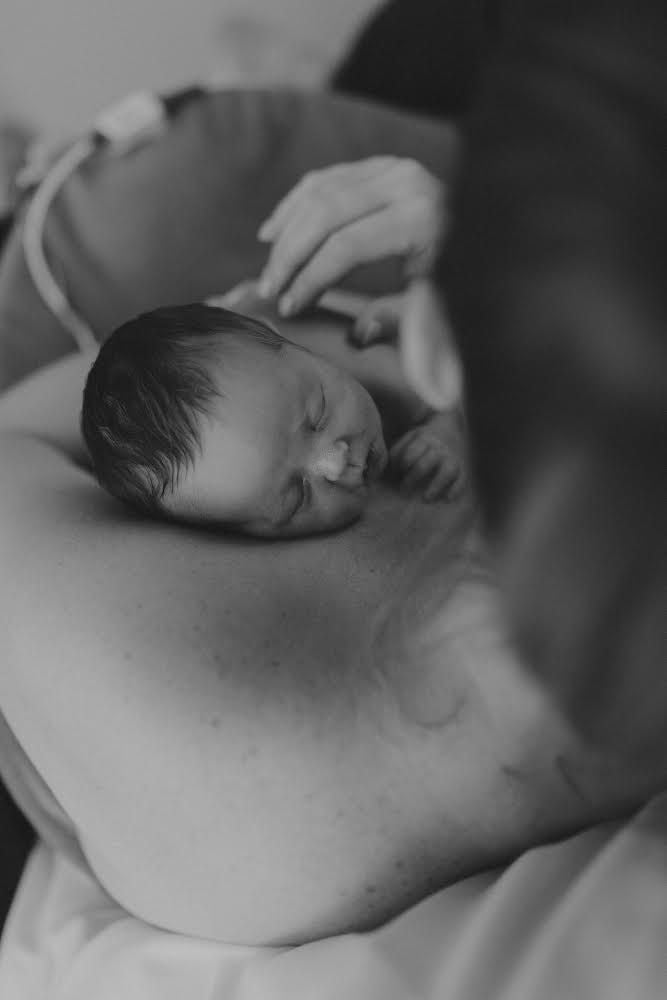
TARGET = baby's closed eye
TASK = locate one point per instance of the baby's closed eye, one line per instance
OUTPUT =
(318, 414)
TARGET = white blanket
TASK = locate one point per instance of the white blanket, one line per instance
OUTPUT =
(579, 920)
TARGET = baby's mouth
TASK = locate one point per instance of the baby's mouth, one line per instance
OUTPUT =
(365, 467)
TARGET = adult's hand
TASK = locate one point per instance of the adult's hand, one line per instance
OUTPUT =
(350, 214)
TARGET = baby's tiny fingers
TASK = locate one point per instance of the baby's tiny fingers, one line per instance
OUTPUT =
(408, 449)
(377, 323)
(458, 486)
(418, 472)
(438, 489)
(364, 335)
(444, 484)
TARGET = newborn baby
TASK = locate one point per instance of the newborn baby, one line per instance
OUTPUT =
(209, 416)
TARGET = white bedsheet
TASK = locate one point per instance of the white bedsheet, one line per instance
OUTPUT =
(580, 920)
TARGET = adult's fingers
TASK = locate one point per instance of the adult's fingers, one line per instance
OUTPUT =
(395, 178)
(304, 233)
(315, 181)
(333, 200)
(313, 217)
(380, 234)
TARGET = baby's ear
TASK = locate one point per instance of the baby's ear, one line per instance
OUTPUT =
(585, 582)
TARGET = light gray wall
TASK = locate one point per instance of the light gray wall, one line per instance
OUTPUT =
(62, 60)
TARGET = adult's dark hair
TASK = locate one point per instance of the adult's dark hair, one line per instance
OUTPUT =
(555, 281)
(151, 384)
(421, 55)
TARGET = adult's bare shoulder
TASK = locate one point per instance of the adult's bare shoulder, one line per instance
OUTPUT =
(206, 709)
(240, 760)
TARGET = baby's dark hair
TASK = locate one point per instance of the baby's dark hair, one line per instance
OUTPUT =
(151, 384)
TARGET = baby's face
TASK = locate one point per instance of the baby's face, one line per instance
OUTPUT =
(289, 450)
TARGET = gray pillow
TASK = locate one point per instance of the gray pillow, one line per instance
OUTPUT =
(175, 220)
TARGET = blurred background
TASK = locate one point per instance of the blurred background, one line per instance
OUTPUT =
(61, 61)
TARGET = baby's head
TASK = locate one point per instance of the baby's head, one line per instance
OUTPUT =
(208, 416)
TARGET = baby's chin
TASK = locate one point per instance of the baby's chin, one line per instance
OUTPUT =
(326, 526)
(330, 524)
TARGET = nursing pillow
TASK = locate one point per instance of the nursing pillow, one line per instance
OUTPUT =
(172, 216)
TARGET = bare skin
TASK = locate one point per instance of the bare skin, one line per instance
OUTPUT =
(242, 758)
(426, 447)
(343, 215)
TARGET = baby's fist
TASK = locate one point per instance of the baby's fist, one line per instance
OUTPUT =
(431, 457)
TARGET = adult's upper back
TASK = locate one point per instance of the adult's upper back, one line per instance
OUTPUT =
(244, 746)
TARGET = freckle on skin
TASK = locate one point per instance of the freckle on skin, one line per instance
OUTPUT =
(564, 770)
(512, 772)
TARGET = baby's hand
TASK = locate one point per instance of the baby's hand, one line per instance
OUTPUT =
(378, 322)
(430, 458)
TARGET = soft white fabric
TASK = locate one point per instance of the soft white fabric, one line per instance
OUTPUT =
(35, 798)
(585, 919)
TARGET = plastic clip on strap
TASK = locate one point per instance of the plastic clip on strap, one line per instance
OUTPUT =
(135, 120)
(131, 122)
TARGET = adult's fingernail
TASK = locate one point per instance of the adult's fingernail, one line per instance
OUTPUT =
(264, 232)
(286, 305)
(372, 330)
(264, 287)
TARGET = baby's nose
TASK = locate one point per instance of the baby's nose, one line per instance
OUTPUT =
(331, 463)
